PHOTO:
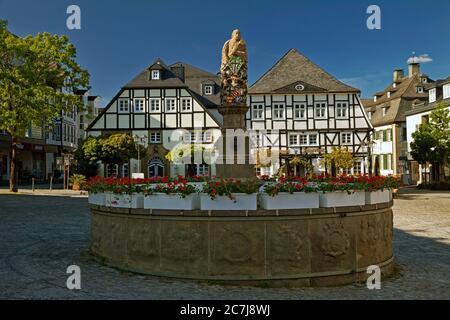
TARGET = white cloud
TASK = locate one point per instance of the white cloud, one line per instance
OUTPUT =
(420, 59)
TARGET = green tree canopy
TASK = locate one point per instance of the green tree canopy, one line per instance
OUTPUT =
(118, 148)
(38, 78)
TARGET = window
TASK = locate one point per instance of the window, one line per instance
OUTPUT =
(208, 90)
(357, 167)
(125, 170)
(299, 111)
(346, 138)
(278, 111)
(155, 105)
(432, 95)
(258, 111)
(155, 137)
(419, 89)
(207, 136)
(156, 75)
(341, 110)
(155, 168)
(446, 89)
(321, 110)
(385, 109)
(124, 105)
(369, 115)
(191, 137)
(202, 169)
(388, 94)
(293, 140)
(112, 170)
(171, 105)
(389, 135)
(186, 104)
(312, 139)
(303, 138)
(374, 98)
(139, 105)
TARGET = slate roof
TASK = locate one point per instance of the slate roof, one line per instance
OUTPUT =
(402, 97)
(294, 68)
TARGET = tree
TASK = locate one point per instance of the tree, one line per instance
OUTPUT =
(339, 158)
(38, 78)
(432, 140)
(86, 157)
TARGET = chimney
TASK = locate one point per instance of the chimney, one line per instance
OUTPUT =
(178, 70)
(413, 69)
(398, 75)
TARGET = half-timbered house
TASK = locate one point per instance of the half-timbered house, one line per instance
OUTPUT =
(306, 112)
(162, 107)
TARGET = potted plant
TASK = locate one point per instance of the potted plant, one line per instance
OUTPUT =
(379, 189)
(229, 195)
(174, 195)
(289, 195)
(96, 188)
(123, 193)
(342, 191)
(77, 181)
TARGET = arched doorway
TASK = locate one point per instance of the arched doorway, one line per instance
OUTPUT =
(155, 168)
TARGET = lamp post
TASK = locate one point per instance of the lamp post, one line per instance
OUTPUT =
(369, 144)
(138, 140)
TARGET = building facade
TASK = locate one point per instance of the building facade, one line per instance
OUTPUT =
(303, 110)
(438, 92)
(164, 107)
(387, 114)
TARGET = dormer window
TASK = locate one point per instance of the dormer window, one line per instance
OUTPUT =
(385, 109)
(156, 74)
(432, 95)
(394, 85)
(388, 94)
(419, 89)
(208, 90)
(374, 98)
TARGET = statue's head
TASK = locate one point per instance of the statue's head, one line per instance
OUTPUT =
(236, 34)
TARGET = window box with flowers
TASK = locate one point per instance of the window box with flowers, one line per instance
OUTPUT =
(124, 193)
(289, 195)
(343, 191)
(96, 188)
(229, 195)
(174, 195)
(379, 189)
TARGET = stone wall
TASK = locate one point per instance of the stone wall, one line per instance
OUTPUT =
(326, 246)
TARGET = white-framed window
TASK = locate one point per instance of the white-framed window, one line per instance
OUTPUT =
(155, 137)
(155, 105)
(124, 106)
(278, 111)
(341, 110)
(202, 169)
(299, 111)
(357, 168)
(186, 104)
(191, 137)
(346, 138)
(139, 105)
(419, 89)
(369, 115)
(303, 139)
(156, 75)
(320, 110)
(388, 94)
(374, 98)
(432, 95)
(258, 111)
(208, 90)
(446, 91)
(313, 139)
(171, 105)
(293, 140)
(206, 136)
(384, 111)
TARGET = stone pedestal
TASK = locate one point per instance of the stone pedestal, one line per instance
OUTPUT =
(234, 119)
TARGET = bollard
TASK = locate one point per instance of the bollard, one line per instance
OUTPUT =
(32, 184)
(51, 183)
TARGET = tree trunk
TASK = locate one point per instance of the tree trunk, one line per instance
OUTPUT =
(12, 166)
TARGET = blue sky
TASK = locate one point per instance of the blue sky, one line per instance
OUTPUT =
(120, 38)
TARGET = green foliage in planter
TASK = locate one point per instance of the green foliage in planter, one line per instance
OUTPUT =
(78, 179)
(181, 189)
(227, 187)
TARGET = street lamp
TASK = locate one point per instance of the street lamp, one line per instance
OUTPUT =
(138, 140)
(369, 144)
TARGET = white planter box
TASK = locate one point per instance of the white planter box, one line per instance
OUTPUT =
(97, 199)
(285, 200)
(378, 196)
(341, 199)
(241, 201)
(171, 201)
(134, 201)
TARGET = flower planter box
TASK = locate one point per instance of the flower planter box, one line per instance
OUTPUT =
(134, 201)
(341, 199)
(241, 201)
(197, 185)
(171, 202)
(378, 196)
(285, 200)
(97, 199)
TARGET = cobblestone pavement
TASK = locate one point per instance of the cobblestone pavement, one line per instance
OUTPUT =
(41, 235)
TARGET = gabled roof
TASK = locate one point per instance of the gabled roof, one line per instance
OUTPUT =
(295, 68)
